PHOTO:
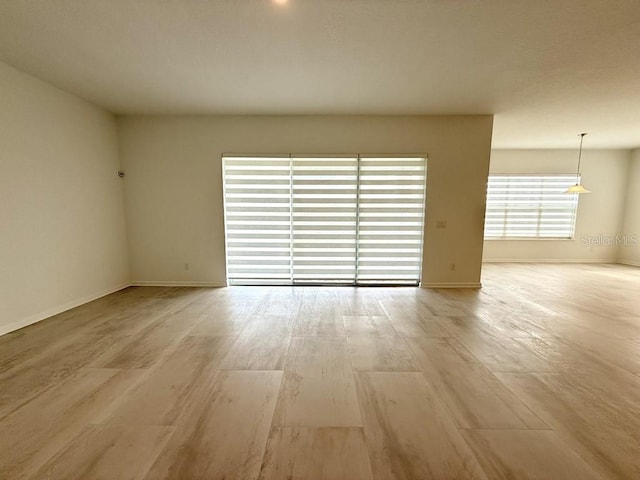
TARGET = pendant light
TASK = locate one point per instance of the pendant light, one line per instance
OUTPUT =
(577, 188)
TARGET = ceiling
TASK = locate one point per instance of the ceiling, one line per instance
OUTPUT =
(547, 69)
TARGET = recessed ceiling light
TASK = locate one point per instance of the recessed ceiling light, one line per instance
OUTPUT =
(280, 2)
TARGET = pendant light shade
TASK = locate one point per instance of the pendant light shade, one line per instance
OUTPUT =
(577, 188)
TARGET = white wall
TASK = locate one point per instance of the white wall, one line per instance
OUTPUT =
(173, 187)
(600, 213)
(62, 230)
(629, 248)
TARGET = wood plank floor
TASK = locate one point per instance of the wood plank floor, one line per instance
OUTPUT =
(537, 375)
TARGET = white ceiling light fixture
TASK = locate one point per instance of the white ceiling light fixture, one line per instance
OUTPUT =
(578, 188)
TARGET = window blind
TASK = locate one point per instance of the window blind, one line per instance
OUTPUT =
(390, 219)
(258, 219)
(324, 219)
(530, 206)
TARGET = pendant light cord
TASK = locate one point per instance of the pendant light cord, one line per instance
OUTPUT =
(579, 158)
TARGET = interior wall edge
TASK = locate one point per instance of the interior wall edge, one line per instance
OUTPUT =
(121, 168)
(630, 221)
(630, 263)
(50, 312)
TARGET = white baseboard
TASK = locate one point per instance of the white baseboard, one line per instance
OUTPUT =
(547, 260)
(629, 262)
(50, 312)
(452, 285)
(175, 283)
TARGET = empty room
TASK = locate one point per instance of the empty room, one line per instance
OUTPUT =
(319, 239)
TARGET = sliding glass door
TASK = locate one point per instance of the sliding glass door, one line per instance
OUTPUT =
(333, 220)
(390, 219)
(258, 219)
(324, 204)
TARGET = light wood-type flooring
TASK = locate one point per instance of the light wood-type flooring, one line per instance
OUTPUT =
(537, 375)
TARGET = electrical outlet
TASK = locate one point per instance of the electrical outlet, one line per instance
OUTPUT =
(452, 267)
(441, 224)
(186, 266)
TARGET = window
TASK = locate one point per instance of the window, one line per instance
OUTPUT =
(530, 206)
(305, 219)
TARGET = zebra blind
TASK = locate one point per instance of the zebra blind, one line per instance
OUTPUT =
(530, 206)
(323, 220)
(258, 219)
(391, 219)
